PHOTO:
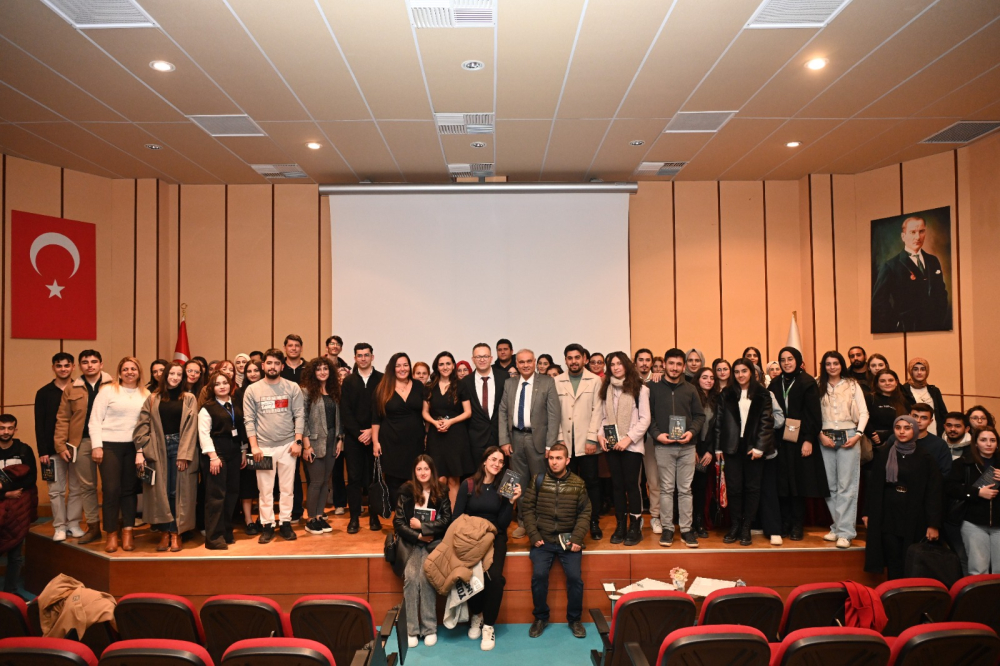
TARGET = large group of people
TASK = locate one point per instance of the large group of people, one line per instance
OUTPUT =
(201, 441)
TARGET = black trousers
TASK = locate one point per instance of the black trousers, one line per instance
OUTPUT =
(118, 478)
(222, 491)
(894, 555)
(489, 600)
(770, 507)
(625, 469)
(699, 490)
(359, 461)
(793, 511)
(339, 486)
(743, 478)
(586, 467)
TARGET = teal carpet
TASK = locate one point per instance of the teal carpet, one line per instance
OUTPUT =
(555, 647)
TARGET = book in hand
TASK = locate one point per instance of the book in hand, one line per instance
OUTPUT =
(678, 426)
(73, 451)
(986, 480)
(425, 515)
(49, 471)
(267, 462)
(5, 480)
(611, 434)
(565, 540)
(148, 475)
(507, 483)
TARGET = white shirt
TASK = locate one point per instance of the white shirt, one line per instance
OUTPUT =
(365, 378)
(491, 383)
(205, 429)
(924, 396)
(527, 399)
(915, 255)
(115, 414)
(744, 410)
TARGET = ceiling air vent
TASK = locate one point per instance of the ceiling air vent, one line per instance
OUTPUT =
(240, 125)
(279, 171)
(698, 121)
(963, 132)
(101, 13)
(796, 13)
(464, 123)
(452, 13)
(476, 170)
(659, 168)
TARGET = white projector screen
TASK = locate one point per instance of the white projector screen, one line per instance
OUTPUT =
(425, 273)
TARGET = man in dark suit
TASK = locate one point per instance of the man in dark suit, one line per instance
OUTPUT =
(529, 421)
(484, 388)
(356, 416)
(909, 293)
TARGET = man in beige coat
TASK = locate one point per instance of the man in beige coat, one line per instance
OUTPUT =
(578, 390)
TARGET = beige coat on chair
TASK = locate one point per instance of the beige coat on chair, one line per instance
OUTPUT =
(149, 437)
(581, 409)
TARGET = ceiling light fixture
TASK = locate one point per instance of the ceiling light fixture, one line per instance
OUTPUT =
(793, 144)
(817, 63)
(477, 144)
(312, 145)
(637, 142)
(153, 146)
(473, 65)
(162, 66)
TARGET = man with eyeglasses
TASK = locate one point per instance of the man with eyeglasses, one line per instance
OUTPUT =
(485, 387)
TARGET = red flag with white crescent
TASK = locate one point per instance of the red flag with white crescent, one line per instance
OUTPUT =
(182, 351)
(53, 277)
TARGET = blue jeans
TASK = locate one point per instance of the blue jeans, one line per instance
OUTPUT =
(843, 474)
(541, 559)
(173, 443)
(983, 546)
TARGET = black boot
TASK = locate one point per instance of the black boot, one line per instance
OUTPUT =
(634, 534)
(798, 533)
(699, 527)
(734, 532)
(595, 530)
(745, 537)
(620, 529)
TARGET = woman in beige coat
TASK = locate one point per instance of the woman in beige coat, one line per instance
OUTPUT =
(166, 439)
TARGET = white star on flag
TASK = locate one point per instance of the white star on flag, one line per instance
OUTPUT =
(54, 289)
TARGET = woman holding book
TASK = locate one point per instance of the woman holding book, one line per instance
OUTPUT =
(624, 408)
(166, 441)
(423, 512)
(888, 402)
(221, 434)
(973, 484)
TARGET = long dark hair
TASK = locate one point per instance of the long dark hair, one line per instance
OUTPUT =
(760, 357)
(632, 383)
(753, 388)
(708, 398)
(896, 398)
(435, 379)
(313, 387)
(824, 376)
(163, 390)
(715, 364)
(477, 478)
(387, 385)
(974, 447)
(435, 486)
(195, 389)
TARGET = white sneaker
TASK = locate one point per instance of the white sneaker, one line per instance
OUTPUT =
(843, 543)
(476, 626)
(412, 641)
(75, 531)
(489, 638)
(430, 640)
(60, 535)
(829, 536)
(657, 526)
(776, 540)
(339, 511)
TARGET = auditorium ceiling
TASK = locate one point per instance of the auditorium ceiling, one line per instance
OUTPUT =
(565, 90)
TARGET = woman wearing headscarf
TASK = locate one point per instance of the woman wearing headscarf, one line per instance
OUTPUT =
(693, 362)
(801, 472)
(240, 363)
(904, 502)
(918, 390)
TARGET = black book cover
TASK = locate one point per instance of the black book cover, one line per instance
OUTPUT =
(267, 462)
(49, 471)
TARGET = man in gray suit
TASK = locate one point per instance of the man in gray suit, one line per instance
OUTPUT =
(529, 421)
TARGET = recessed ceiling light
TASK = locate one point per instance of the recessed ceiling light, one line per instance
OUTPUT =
(637, 142)
(473, 65)
(312, 145)
(817, 63)
(162, 66)
(477, 144)
(153, 146)
(793, 144)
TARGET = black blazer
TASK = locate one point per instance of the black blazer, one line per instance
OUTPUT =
(356, 403)
(940, 410)
(483, 430)
(903, 300)
(759, 429)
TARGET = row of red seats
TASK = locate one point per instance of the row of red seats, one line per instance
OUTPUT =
(646, 619)
(343, 625)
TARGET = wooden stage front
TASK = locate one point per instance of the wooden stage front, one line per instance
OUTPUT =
(338, 563)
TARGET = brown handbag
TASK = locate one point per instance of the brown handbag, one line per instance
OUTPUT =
(792, 428)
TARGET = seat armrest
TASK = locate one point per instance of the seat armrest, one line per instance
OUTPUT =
(600, 622)
(636, 655)
(386, 629)
(362, 657)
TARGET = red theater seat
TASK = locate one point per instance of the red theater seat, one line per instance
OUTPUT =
(951, 643)
(38, 651)
(757, 607)
(814, 605)
(278, 652)
(643, 618)
(344, 624)
(831, 646)
(229, 618)
(912, 601)
(155, 652)
(165, 616)
(13, 616)
(723, 643)
(977, 599)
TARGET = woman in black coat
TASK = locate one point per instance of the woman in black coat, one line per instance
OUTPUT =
(744, 434)
(801, 470)
(976, 507)
(904, 503)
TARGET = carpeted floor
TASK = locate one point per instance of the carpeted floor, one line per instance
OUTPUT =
(556, 646)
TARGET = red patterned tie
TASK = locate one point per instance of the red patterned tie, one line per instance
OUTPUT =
(486, 395)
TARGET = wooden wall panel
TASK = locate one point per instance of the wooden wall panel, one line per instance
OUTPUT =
(33, 188)
(168, 269)
(296, 264)
(804, 317)
(203, 267)
(147, 271)
(326, 325)
(744, 288)
(651, 267)
(824, 290)
(248, 283)
(850, 265)
(116, 273)
(696, 218)
(784, 272)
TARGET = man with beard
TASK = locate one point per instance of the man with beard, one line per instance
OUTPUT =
(644, 365)
(956, 433)
(356, 414)
(15, 452)
(858, 358)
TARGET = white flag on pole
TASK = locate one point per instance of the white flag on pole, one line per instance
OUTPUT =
(794, 338)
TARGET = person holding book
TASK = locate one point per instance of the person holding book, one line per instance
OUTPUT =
(624, 411)
(556, 512)
(222, 457)
(166, 442)
(62, 483)
(972, 485)
(423, 512)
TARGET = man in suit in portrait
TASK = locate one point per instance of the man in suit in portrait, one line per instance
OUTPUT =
(484, 386)
(529, 421)
(909, 293)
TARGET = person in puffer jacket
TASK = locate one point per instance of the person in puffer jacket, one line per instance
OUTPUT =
(556, 516)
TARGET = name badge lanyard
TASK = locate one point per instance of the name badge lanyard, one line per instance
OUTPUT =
(232, 415)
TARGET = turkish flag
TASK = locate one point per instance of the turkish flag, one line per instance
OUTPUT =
(53, 277)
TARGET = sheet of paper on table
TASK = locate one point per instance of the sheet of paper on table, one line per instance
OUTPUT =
(702, 587)
(646, 584)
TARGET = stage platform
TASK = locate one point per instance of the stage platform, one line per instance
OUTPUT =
(339, 563)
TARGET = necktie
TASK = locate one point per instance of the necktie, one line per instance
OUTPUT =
(486, 395)
(520, 407)
(920, 262)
